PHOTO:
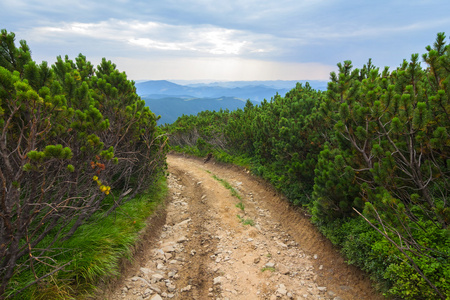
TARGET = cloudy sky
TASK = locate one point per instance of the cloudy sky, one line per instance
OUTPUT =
(227, 39)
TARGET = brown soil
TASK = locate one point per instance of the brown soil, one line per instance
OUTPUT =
(205, 251)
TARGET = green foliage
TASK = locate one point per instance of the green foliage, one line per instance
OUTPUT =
(228, 186)
(95, 251)
(240, 205)
(377, 143)
(62, 126)
(271, 269)
(247, 221)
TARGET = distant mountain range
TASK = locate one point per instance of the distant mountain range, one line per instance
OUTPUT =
(158, 88)
(171, 100)
(276, 84)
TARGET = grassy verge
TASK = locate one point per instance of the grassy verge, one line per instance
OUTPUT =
(94, 252)
(228, 186)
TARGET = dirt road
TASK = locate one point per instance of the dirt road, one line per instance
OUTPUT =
(212, 247)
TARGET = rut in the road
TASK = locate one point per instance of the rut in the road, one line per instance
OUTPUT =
(204, 250)
(195, 272)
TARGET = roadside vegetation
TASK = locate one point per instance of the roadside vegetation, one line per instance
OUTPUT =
(82, 164)
(369, 159)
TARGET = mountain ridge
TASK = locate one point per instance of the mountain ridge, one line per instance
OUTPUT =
(255, 92)
(171, 100)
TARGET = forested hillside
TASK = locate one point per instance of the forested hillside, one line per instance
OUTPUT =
(171, 108)
(77, 146)
(369, 159)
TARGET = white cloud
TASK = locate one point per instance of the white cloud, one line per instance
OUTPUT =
(204, 39)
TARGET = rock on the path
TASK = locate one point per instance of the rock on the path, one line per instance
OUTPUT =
(182, 239)
(168, 249)
(156, 297)
(157, 277)
(282, 245)
(146, 271)
(172, 274)
(185, 222)
(218, 280)
(270, 265)
(171, 288)
(282, 290)
(322, 288)
(155, 288)
(283, 269)
(186, 288)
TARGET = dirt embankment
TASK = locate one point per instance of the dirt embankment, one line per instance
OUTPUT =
(209, 248)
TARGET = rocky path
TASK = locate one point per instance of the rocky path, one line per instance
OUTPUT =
(216, 246)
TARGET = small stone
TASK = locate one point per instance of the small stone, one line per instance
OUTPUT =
(322, 288)
(183, 222)
(157, 277)
(168, 249)
(172, 274)
(283, 270)
(170, 296)
(146, 270)
(321, 267)
(155, 288)
(315, 256)
(156, 297)
(331, 293)
(256, 260)
(171, 288)
(282, 245)
(218, 280)
(270, 265)
(186, 288)
(182, 239)
(282, 290)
